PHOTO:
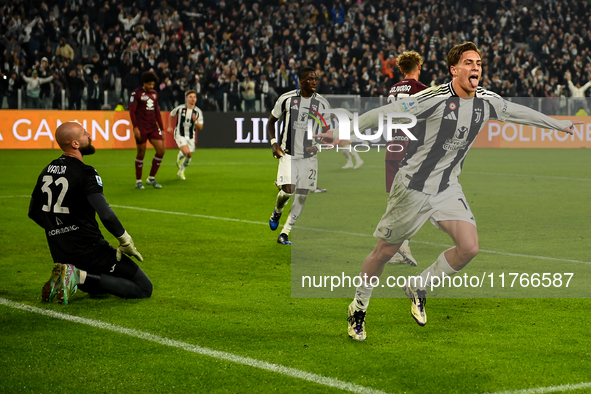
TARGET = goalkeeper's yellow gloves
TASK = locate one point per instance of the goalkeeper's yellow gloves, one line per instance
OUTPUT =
(126, 246)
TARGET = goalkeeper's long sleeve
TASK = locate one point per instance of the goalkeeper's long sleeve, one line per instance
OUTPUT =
(106, 214)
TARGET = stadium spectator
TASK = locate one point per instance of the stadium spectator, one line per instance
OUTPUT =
(198, 88)
(83, 258)
(165, 95)
(221, 86)
(144, 112)
(64, 50)
(87, 40)
(130, 82)
(60, 83)
(44, 71)
(75, 89)
(248, 94)
(188, 121)
(34, 89)
(578, 93)
(95, 93)
(129, 21)
(234, 98)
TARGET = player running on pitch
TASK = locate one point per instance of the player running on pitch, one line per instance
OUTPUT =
(189, 120)
(298, 164)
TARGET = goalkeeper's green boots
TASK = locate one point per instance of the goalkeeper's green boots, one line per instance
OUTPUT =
(68, 285)
(49, 289)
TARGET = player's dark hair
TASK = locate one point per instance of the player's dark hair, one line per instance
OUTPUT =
(149, 76)
(304, 70)
(455, 54)
(188, 92)
(408, 61)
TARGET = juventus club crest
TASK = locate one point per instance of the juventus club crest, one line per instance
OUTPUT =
(477, 115)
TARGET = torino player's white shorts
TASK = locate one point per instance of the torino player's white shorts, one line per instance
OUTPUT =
(180, 141)
(298, 171)
(409, 209)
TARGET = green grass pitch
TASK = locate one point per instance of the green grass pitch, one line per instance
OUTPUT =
(222, 282)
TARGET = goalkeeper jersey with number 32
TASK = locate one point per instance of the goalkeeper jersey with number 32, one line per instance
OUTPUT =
(60, 205)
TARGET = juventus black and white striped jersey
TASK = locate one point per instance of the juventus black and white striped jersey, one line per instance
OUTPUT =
(447, 126)
(185, 126)
(295, 112)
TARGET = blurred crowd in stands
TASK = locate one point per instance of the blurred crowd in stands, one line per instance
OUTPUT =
(79, 49)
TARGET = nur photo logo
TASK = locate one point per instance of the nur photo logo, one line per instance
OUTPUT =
(344, 118)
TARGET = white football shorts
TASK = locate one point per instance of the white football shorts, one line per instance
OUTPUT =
(301, 172)
(180, 141)
(409, 209)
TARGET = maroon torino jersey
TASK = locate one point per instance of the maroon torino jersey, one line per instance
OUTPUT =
(144, 111)
(404, 88)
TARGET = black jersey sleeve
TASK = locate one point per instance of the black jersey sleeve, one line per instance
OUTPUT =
(106, 214)
(92, 182)
(35, 212)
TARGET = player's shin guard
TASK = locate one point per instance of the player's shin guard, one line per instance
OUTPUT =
(282, 198)
(156, 161)
(139, 166)
(297, 206)
(355, 155)
(438, 268)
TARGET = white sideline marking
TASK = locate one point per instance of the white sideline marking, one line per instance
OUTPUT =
(251, 362)
(550, 389)
(196, 215)
(342, 232)
(331, 231)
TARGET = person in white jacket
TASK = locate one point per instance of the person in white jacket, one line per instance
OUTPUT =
(129, 22)
(34, 89)
(578, 93)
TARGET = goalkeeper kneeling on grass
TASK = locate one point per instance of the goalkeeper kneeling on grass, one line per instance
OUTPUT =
(65, 201)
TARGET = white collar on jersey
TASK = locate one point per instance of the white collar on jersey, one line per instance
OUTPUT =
(299, 93)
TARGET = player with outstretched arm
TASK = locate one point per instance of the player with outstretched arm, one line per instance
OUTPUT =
(449, 117)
